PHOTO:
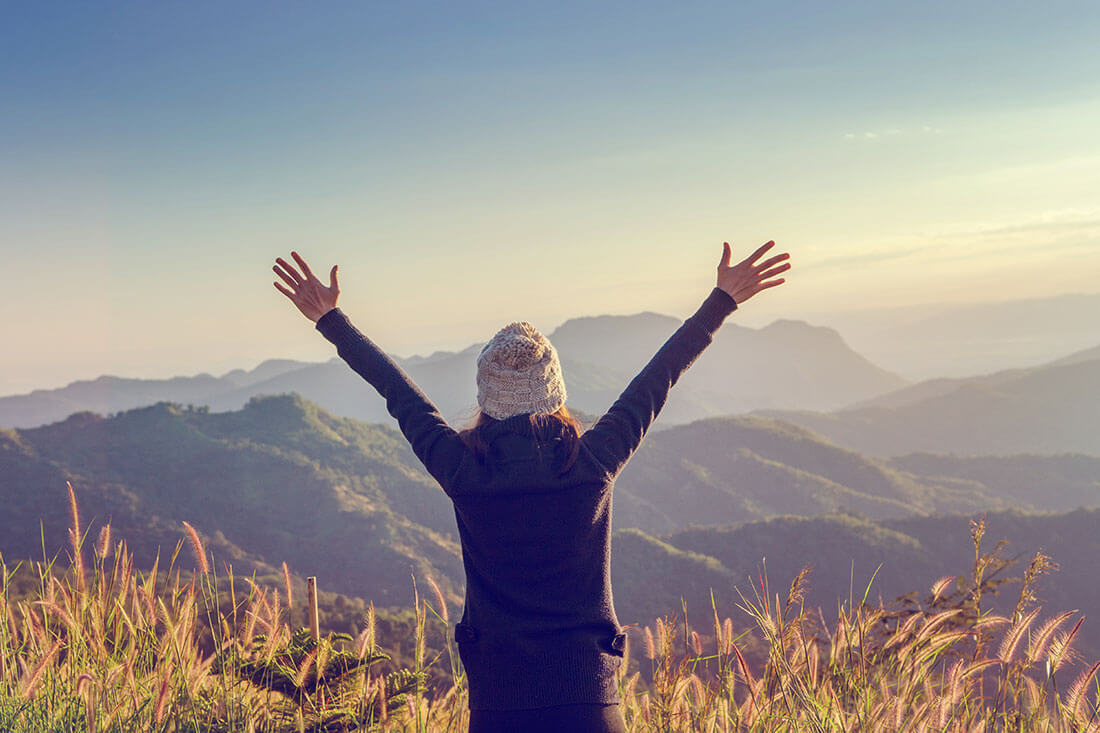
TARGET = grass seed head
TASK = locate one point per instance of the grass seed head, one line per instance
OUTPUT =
(198, 549)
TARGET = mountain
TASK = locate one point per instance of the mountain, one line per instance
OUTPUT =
(1058, 483)
(1079, 356)
(738, 469)
(278, 480)
(109, 394)
(785, 365)
(650, 577)
(1048, 409)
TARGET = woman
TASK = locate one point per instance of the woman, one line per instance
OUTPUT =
(538, 639)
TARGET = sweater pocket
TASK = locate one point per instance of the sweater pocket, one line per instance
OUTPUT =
(465, 633)
(616, 645)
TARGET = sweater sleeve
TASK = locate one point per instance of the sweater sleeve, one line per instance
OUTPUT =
(435, 443)
(616, 435)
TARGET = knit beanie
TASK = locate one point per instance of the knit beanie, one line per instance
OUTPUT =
(517, 372)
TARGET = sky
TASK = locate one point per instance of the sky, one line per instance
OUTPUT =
(472, 164)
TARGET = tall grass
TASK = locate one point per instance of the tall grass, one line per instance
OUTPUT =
(100, 646)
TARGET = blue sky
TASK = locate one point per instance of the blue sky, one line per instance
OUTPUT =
(469, 164)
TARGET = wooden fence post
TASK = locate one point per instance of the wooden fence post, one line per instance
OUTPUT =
(311, 591)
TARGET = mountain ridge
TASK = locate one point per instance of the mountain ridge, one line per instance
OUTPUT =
(742, 369)
(1036, 410)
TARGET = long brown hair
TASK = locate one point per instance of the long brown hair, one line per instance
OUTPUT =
(545, 426)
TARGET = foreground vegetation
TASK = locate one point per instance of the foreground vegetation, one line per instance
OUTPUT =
(104, 647)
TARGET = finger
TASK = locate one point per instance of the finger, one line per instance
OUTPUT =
(725, 255)
(774, 271)
(283, 290)
(772, 260)
(296, 279)
(332, 282)
(302, 263)
(769, 284)
(758, 253)
(287, 278)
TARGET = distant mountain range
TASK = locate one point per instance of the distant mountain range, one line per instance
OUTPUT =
(1047, 409)
(788, 365)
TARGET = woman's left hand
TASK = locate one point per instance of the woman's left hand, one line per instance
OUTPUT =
(306, 291)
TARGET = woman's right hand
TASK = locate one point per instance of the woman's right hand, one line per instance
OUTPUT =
(306, 291)
(747, 278)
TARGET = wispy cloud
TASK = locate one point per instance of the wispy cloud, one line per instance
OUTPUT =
(1053, 221)
(892, 132)
(866, 256)
(1041, 235)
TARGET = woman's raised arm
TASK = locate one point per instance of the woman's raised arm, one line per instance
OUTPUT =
(615, 437)
(434, 442)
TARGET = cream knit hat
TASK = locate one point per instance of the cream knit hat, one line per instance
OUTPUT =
(518, 371)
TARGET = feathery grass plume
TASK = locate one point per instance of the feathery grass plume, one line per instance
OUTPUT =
(1040, 565)
(1035, 696)
(662, 634)
(1012, 639)
(84, 691)
(1077, 691)
(990, 621)
(796, 594)
(362, 648)
(813, 661)
(75, 537)
(383, 713)
(276, 611)
(66, 618)
(1037, 644)
(439, 599)
(696, 643)
(289, 594)
(103, 545)
(650, 650)
(935, 621)
(646, 705)
(941, 585)
(35, 674)
(370, 626)
(90, 714)
(746, 675)
(1061, 649)
(160, 707)
(74, 511)
(977, 532)
(305, 666)
(978, 667)
(698, 689)
(199, 550)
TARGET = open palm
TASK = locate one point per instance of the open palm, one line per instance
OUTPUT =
(305, 290)
(749, 277)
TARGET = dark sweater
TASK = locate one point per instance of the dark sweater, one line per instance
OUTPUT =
(539, 627)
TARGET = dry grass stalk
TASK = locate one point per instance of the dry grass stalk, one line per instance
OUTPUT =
(197, 548)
